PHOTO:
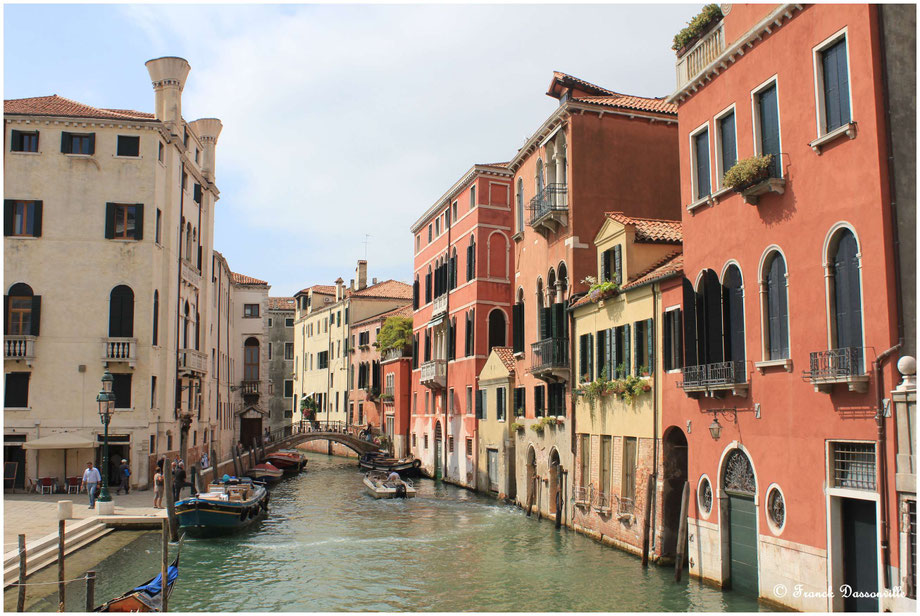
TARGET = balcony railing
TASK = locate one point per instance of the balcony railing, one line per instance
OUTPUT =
(549, 209)
(434, 374)
(550, 356)
(19, 348)
(581, 496)
(251, 388)
(389, 391)
(395, 354)
(601, 501)
(714, 377)
(439, 305)
(192, 361)
(190, 274)
(120, 349)
(700, 55)
(825, 368)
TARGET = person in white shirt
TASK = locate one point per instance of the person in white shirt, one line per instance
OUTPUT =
(91, 479)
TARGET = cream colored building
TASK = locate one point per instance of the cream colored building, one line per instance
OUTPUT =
(249, 336)
(617, 420)
(109, 218)
(497, 425)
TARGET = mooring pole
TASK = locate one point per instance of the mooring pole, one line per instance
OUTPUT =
(646, 525)
(21, 603)
(214, 465)
(170, 504)
(682, 533)
(90, 590)
(61, 565)
(164, 564)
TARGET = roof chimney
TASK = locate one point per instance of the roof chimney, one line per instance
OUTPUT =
(339, 289)
(168, 75)
(208, 130)
(351, 284)
(373, 281)
(361, 274)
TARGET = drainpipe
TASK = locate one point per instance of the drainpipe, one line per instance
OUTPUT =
(217, 357)
(183, 433)
(655, 391)
(447, 359)
(883, 459)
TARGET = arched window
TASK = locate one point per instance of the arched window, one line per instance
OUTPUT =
(23, 311)
(428, 286)
(538, 180)
(188, 242)
(733, 314)
(777, 309)
(471, 259)
(518, 323)
(520, 205)
(498, 256)
(470, 334)
(156, 318)
(563, 277)
(121, 312)
(542, 329)
(496, 329)
(452, 339)
(847, 310)
(453, 269)
(185, 322)
(251, 360)
(415, 293)
(709, 318)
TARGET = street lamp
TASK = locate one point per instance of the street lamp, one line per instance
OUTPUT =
(715, 429)
(106, 401)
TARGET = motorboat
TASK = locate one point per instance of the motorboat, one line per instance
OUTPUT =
(230, 504)
(265, 472)
(379, 486)
(377, 461)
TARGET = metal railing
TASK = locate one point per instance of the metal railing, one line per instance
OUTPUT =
(389, 391)
(119, 349)
(19, 347)
(700, 55)
(581, 495)
(602, 501)
(549, 353)
(853, 465)
(835, 363)
(394, 354)
(553, 198)
(719, 374)
(251, 388)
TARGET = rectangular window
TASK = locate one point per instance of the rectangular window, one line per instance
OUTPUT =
(726, 144)
(469, 447)
(250, 311)
(426, 441)
(539, 400)
(414, 441)
(853, 465)
(270, 321)
(450, 399)
(766, 126)
(159, 226)
(22, 218)
(322, 360)
(160, 151)
(492, 468)
(153, 392)
(121, 387)
(437, 226)
(24, 141)
(641, 345)
(469, 400)
(288, 388)
(429, 233)
(72, 143)
(427, 401)
(630, 447)
(270, 345)
(454, 207)
(450, 444)
(585, 468)
(289, 350)
(415, 402)
(289, 322)
(672, 333)
(124, 221)
(604, 471)
(520, 401)
(128, 146)
(701, 173)
(834, 88)
(17, 390)
(196, 193)
(500, 403)
(481, 401)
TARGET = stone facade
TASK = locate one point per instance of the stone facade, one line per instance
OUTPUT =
(281, 362)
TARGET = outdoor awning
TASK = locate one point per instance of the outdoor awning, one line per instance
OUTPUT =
(61, 440)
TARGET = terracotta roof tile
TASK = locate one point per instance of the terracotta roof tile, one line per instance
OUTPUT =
(245, 280)
(585, 85)
(325, 289)
(625, 101)
(504, 164)
(506, 354)
(281, 303)
(651, 230)
(402, 311)
(55, 105)
(388, 288)
(668, 266)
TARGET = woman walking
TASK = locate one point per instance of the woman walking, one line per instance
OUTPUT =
(158, 486)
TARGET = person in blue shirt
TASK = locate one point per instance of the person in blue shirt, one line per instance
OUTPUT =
(91, 479)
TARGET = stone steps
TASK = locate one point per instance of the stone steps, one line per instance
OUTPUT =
(44, 551)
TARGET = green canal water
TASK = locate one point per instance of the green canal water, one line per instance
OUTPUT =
(326, 547)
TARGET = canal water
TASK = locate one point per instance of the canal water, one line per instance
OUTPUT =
(326, 546)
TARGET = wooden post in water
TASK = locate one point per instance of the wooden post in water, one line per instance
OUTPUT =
(21, 603)
(170, 503)
(236, 462)
(60, 565)
(164, 565)
(533, 494)
(649, 498)
(682, 533)
(254, 453)
(214, 465)
(90, 590)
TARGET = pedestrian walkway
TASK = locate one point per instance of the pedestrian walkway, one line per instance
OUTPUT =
(36, 515)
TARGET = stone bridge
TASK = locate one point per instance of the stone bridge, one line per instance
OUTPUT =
(359, 446)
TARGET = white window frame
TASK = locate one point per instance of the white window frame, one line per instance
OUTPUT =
(694, 180)
(717, 139)
(755, 116)
(820, 105)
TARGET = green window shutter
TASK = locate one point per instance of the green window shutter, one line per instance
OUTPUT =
(92, 143)
(627, 338)
(618, 263)
(66, 143)
(37, 219)
(139, 221)
(614, 333)
(6, 314)
(109, 220)
(36, 314)
(650, 352)
(590, 354)
(8, 217)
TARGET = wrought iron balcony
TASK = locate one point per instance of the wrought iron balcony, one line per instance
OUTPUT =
(716, 378)
(581, 496)
(251, 388)
(601, 501)
(826, 368)
(550, 359)
(434, 374)
(550, 209)
(192, 362)
(120, 350)
(700, 55)
(20, 348)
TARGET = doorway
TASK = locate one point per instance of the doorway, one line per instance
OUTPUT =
(860, 554)
(555, 475)
(675, 476)
(741, 490)
(250, 429)
(14, 454)
(438, 470)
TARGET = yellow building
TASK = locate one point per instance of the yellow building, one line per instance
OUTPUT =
(496, 414)
(618, 407)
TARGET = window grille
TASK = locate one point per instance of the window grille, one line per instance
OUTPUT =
(853, 465)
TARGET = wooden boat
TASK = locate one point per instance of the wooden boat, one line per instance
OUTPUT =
(378, 486)
(376, 461)
(229, 505)
(265, 472)
(146, 597)
(289, 462)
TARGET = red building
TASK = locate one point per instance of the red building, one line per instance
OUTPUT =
(788, 308)
(462, 308)
(396, 376)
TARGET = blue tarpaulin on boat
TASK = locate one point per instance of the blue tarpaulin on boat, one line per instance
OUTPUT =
(153, 586)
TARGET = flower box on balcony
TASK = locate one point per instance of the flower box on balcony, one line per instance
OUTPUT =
(751, 177)
(696, 29)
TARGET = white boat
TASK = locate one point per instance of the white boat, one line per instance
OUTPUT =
(379, 487)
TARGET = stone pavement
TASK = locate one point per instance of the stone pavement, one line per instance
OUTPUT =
(36, 514)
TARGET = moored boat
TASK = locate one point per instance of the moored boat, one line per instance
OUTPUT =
(229, 505)
(376, 461)
(147, 597)
(379, 486)
(287, 461)
(265, 472)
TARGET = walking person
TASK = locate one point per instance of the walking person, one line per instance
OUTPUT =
(124, 474)
(180, 481)
(158, 486)
(91, 479)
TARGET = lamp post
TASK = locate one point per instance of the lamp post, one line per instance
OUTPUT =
(715, 429)
(106, 401)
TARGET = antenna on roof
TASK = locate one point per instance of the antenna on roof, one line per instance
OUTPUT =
(366, 235)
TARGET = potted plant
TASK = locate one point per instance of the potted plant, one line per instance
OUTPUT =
(697, 28)
(748, 172)
(516, 426)
(600, 290)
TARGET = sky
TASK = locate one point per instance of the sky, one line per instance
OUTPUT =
(342, 123)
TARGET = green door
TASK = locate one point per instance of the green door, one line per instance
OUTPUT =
(743, 543)
(438, 473)
(860, 555)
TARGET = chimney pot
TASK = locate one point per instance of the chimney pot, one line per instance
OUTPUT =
(168, 75)
(361, 274)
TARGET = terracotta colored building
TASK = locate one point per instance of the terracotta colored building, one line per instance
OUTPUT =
(599, 151)
(462, 308)
(788, 308)
(396, 369)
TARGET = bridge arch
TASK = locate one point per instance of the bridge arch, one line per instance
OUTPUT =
(354, 443)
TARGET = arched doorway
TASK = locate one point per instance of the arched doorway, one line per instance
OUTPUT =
(740, 521)
(555, 482)
(438, 445)
(675, 476)
(531, 478)
(496, 329)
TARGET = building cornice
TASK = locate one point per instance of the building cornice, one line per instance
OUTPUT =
(764, 27)
(456, 189)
